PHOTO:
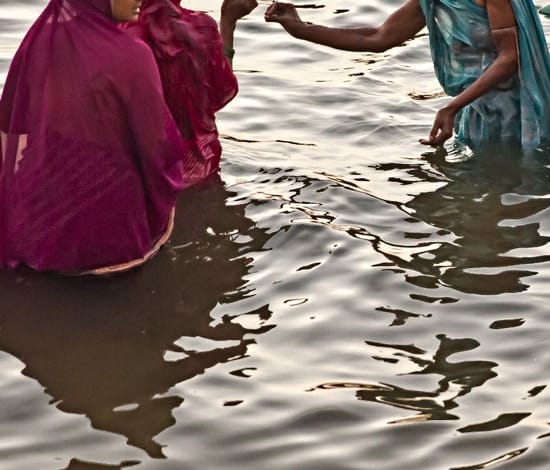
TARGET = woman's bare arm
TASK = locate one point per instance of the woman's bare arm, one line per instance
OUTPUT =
(401, 25)
(504, 34)
(231, 12)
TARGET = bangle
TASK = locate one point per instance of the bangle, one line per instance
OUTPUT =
(228, 51)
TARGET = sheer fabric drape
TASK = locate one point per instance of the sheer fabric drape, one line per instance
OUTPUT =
(518, 111)
(92, 159)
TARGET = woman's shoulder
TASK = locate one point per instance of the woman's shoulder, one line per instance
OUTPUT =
(169, 10)
(133, 52)
(199, 17)
(169, 29)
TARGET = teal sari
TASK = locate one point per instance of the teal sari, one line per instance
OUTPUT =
(518, 110)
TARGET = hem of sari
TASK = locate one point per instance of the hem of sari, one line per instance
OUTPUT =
(122, 267)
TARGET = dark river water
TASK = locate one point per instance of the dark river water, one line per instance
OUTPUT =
(342, 299)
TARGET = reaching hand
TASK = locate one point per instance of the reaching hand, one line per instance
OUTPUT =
(234, 10)
(283, 13)
(442, 128)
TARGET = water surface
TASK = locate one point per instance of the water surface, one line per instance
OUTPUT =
(343, 299)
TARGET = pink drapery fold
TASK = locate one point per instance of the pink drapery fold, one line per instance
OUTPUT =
(196, 77)
(91, 157)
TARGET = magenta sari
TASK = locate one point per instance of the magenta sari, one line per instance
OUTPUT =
(92, 159)
(196, 77)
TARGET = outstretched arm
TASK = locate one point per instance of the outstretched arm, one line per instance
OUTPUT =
(504, 34)
(232, 11)
(401, 25)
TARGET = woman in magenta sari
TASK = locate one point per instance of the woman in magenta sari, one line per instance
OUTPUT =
(194, 61)
(92, 154)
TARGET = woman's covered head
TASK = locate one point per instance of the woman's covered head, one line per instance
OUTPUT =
(125, 10)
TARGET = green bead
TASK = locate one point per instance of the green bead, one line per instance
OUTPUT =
(545, 10)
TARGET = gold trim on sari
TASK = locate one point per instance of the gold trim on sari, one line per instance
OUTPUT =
(118, 268)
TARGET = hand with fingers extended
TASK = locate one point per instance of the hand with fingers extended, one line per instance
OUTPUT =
(283, 13)
(442, 128)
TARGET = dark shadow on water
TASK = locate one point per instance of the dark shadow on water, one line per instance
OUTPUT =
(76, 464)
(479, 232)
(458, 379)
(99, 346)
(490, 205)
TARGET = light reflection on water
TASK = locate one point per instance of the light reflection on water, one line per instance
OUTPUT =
(346, 299)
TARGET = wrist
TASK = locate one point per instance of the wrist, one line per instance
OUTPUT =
(296, 28)
(228, 51)
(453, 107)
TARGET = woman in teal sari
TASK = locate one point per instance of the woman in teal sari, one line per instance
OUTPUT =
(491, 56)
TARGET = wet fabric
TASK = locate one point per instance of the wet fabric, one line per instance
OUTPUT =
(518, 110)
(91, 159)
(196, 77)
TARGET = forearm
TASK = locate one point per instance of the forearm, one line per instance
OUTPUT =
(365, 39)
(231, 12)
(227, 32)
(400, 26)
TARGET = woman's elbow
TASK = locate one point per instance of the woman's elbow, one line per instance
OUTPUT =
(509, 63)
(376, 46)
(382, 47)
(508, 54)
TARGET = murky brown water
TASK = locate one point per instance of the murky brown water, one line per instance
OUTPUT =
(344, 299)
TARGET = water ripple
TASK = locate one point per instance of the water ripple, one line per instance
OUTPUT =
(345, 299)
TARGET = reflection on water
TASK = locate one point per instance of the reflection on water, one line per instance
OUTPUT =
(481, 231)
(459, 378)
(491, 205)
(111, 349)
(408, 286)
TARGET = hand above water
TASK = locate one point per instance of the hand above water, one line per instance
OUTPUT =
(442, 128)
(234, 10)
(283, 13)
